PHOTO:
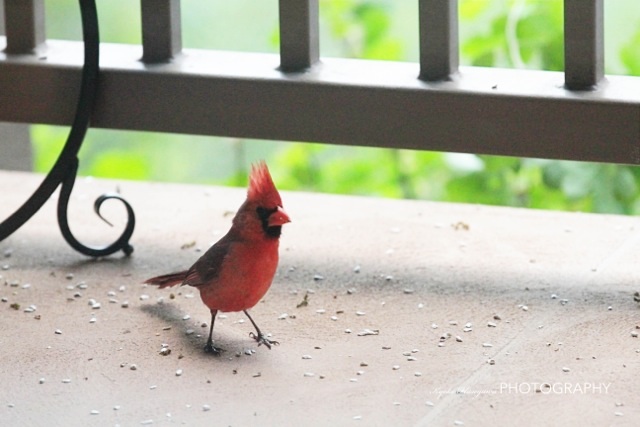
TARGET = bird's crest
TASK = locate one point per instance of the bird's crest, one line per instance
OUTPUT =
(261, 187)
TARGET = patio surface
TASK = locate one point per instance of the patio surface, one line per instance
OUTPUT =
(417, 313)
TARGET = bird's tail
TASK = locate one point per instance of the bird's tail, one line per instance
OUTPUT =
(168, 280)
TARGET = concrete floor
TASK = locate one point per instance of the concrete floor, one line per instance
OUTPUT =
(417, 314)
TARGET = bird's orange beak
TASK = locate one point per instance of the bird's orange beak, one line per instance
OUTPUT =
(279, 217)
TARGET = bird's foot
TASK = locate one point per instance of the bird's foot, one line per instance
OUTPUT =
(210, 348)
(261, 339)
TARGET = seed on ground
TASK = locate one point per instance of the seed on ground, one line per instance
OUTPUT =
(206, 408)
(66, 380)
(487, 345)
(308, 374)
(178, 372)
(58, 332)
(360, 313)
(565, 369)
(133, 367)
(491, 324)
(306, 356)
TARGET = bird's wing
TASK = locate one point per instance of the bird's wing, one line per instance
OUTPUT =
(208, 267)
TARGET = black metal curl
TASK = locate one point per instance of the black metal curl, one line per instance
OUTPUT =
(63, 201)
(66, 166)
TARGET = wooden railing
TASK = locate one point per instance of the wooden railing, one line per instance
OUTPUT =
(299, 95)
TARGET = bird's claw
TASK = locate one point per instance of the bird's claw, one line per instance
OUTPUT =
(261, 339)
(210, 348)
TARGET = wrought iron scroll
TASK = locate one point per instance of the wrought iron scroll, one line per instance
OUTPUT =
(64, 170)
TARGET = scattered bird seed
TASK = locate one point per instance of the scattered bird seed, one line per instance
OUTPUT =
(353, 380)
(634, 334)
(153, 387)
(95, 412)
(186, 317)
(144, 297)
(396, 403)
(395, 367)
(458, 338)
(468, 325)
(453, 322)
(189, 331)
(417, 374)
(334, 318)
(347, 331)
(58, 332)
(366, 332)
(206, 408)
(487, 345)
(458, 423)
(429, 403)
(317, 277)
(321, 311)
(82, 285)
(618, 414)
(178, 372)
(66, 381)
(566, 369)
(308, 374)
(360, 313)
(41, 381)
(357, 417)
(497, 317)
(122, 288)
(133, 367)
(491, 362)
(257, 374)
(93, 320)
(146, 422)
(411, 359)
(26, 286)
(356, 269)
(124, 304)
(283, 316)
(6, 267)
(351, 291)
(491, 324)
(306, 357)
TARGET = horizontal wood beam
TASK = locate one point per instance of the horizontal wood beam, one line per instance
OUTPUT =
(343, 101)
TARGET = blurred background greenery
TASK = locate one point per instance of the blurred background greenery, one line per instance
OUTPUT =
(501, 33)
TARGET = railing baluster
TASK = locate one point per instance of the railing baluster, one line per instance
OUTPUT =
(24, 25)
(583, 43)
(161, 30)
(439, 53)
(299, 34)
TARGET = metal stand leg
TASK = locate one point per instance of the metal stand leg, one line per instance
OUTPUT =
(65, 169)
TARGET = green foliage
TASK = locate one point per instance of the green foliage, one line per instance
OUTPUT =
(630, 54)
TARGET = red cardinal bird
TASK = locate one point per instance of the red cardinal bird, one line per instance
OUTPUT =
(236, 272)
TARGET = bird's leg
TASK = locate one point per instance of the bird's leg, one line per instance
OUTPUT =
(259, 336)
(209, 347)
